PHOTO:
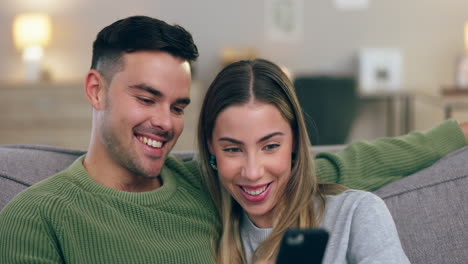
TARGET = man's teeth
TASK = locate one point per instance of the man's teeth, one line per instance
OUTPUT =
(255, 192)
(150, 142)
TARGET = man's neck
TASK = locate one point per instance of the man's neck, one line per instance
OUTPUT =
(140, 185)
(106, 172)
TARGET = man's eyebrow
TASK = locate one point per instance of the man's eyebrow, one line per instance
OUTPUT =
(235, 141)
(184, 101)
(151, 90)
(146, 88)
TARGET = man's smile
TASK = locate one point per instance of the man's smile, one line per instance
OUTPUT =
(151, 142)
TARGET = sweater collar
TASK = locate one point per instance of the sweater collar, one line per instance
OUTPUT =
(256, 234)
(80, 177)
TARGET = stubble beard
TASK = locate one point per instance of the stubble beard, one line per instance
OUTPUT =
(125, 156)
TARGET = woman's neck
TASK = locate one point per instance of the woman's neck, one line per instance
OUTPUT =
(261, 221)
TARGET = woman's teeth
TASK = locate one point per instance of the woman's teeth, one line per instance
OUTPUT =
(255, 192)
(150, 142)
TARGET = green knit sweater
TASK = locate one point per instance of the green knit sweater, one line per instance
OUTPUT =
(69, 218)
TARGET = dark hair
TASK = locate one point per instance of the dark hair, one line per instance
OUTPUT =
(138, 33)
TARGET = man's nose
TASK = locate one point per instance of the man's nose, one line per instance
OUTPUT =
(162, 119)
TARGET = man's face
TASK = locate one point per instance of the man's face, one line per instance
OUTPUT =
(144, 110)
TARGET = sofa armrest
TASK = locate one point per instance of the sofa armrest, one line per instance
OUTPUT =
(430, 210)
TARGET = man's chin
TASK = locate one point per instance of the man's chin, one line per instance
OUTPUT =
(153, 164)
(150, 177)
(163, 152)
(153, 170)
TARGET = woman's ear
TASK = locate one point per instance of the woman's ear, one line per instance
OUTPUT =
(210, 147)
(94, 89)
(294, 145)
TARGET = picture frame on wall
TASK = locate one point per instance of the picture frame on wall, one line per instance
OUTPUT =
(380, 70)
(351, 4)
(284, 20)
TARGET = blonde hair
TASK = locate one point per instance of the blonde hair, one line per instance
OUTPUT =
(262, 81)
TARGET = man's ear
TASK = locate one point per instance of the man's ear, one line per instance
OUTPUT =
(94, 89)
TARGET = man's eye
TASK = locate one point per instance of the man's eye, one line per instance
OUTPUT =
(231, 150)
(270, 147)
(145, 100)
(178, 110)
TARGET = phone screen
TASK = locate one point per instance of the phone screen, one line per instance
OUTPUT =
(303, 246)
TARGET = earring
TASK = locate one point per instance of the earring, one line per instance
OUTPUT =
(213, 162)
(293, 158)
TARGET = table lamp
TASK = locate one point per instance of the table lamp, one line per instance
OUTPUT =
(31, 33)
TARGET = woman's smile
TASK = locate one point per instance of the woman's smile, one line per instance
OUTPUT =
(253, 147)
(255, 194)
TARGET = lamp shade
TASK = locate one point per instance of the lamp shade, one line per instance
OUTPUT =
(32, 29)
(466, 36)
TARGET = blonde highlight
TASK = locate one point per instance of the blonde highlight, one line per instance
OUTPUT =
(262, 81)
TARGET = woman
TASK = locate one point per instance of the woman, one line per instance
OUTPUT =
(254, 152)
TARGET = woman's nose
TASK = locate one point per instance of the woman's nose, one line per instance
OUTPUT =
(253, 169)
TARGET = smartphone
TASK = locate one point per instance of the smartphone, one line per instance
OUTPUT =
(302, 246)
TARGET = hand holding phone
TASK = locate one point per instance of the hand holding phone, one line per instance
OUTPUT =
(302, 246)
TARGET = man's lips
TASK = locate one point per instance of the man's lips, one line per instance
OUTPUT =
(151, 142)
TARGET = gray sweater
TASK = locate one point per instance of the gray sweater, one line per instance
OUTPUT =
(361, 231)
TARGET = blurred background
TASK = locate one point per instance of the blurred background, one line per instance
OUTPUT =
(363, 69)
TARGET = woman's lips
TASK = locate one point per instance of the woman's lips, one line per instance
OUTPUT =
(256, 193)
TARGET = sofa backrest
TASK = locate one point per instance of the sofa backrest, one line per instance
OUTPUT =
(430, 209)
(23, 165)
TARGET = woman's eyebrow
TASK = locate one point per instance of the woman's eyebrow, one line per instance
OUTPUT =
(235, 141)
(270, 136)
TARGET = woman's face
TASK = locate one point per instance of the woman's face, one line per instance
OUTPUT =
(253, 146)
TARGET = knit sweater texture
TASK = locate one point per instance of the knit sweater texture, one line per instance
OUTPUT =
(361, 231)
(69, 218)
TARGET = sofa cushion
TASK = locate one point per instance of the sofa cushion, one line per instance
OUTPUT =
(430, 209)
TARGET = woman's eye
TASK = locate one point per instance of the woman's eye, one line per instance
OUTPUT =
(270, 147)
(231, 150)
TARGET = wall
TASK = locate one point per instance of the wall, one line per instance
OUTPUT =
(429, 33)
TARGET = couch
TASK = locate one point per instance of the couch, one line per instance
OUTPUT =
(430, 207)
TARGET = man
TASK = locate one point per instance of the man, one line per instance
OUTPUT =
(126, 201)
